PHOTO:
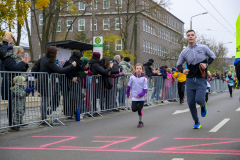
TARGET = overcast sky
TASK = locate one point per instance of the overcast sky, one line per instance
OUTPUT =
(229, 9)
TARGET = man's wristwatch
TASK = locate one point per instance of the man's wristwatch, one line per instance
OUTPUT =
(207, 64)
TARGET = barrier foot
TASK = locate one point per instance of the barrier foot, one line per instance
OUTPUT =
(44, 121)
(89, 114)
(60, 121)
(99, 114)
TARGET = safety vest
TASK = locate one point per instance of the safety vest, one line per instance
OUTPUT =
(238, 38)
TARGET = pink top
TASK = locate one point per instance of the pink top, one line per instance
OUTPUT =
(168, 82)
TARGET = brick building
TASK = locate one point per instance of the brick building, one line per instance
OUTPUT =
(157, 29)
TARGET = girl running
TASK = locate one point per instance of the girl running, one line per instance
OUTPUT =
(138, 82)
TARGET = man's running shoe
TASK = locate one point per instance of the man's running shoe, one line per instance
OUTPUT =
(197, 125)
(204, 110)
(140, 124)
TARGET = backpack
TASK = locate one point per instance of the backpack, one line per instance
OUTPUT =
(36, 68)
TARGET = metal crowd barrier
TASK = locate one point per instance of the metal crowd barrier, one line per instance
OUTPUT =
(56, 97)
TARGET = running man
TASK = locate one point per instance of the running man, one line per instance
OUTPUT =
(195, 55)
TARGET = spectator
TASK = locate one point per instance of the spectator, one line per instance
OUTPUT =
(72, 92)
(19, 94)
(168, 82)
(86, 83)
(31, 82)
(13, 61)
(47, 64)
(122, 81)
(109, 86)
(97, 69)
(181, 84)
(217, 75)
(148, 69)
(116, 61)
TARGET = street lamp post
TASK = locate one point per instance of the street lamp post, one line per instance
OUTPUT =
(195, 16)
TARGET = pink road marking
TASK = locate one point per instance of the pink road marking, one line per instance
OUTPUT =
(206, 144)
(141, 144)
(227, 139)
(209, 150)
(109, 150)
(45, 145)
(105, 146)
(113, 142)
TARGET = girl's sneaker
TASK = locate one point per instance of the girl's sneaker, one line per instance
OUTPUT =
(140, 124)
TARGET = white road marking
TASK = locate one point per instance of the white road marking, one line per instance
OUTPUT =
(217, 127)
(183, 111)
(178, 159)
(238, 109)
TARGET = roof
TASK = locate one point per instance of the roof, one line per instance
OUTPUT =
(71, 44)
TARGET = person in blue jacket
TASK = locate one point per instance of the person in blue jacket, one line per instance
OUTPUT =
(230, 78)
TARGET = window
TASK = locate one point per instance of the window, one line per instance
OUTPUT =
(69, 25)
(146, 26)
(149, 29)
(106, 24)
(106, 4)
(95, 24)
(118, 23)
(143, 25)
(40, 36)
(151, 48)
(58, 29)
(40, 19)
(143, 46)
(158, 50)
(95, 5)
(81, 24)
(118, 3)
(118, 45)
(149, 51)
(81, 6)
(146, 46)
(69, 5)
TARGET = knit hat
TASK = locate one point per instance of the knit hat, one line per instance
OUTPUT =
(85, 60)
(127, 59)
(97, 55)
(151, 60)
(18, 80)
(77, 54)
(149, 63)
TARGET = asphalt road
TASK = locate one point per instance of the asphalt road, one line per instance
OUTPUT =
(165, 136)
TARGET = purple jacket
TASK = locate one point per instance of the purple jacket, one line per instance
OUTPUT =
(139, 87)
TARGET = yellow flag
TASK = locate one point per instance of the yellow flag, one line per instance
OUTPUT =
(238, 37)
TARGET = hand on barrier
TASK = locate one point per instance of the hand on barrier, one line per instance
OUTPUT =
(33, 88)
(74, 79)
(28, 90)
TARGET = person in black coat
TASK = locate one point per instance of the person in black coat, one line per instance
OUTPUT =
(72, 89)
(47, 64)
(12, 62)
(148, 69)
(96, 69)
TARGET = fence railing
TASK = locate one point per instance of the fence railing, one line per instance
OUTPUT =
(56, 97)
